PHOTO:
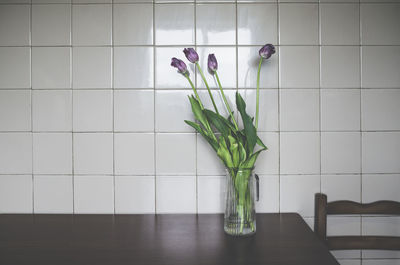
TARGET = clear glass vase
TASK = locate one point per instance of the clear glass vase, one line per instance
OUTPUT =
(241, 190)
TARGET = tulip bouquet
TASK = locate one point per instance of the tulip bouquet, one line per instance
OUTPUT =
(237, 148)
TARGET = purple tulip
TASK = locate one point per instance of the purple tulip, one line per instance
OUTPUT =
(212, 62)
(180, 65)
(266, 51)
(191, 55)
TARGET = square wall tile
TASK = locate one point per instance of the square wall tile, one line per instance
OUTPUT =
(341, 152)
(380, 24)
(211, 194)
(298, 24)
(381, 226)
(51, 25)
(130, 1)
(341, 187)
(14, 25)
(92, 1)
(134, 153)
(51, 67)
(174, 24)
(15, 153)
(340, 225)
(167, 76)
(226, 57)
(93, 153)
(53, 194)
(93, 110)
(91, 67)
(91, 24)
(133, 24)
(297, 193)
(16, 194)
(257, 24)
(299, 67)
(380, 109)
(94, 194)
(380, 152)
(268, 161)
(380, 257)
(176, 194)
(300, 153)
(380, 187)
(218, 17)
(172, 108)
(176, 154)
(248, 60)
(133, 111)
(15, 110)
(51, 1)
(269, 194)
(52, 110)
(134, 195)
(340, 67)
(340, 110)
(128, 73)
(340, 24)
(15, 65)
(208, 163)
(52, 153)
(380, 66)
(268, 112)
(299, 110)
(15, 1)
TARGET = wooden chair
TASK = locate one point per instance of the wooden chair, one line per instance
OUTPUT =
(324, 208)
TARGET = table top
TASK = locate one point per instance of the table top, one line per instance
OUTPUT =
(281, 239)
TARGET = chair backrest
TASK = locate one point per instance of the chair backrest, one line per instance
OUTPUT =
(324, 208)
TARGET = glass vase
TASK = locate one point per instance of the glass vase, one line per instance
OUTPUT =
(241, 191)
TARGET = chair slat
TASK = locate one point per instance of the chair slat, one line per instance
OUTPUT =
(363, 242)
(349, 207)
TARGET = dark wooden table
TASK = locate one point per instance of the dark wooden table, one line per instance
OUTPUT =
(156, 239)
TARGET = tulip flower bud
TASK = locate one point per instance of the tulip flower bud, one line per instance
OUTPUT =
(191, 55)
(266, 51)
(212, 63)
(180, 65)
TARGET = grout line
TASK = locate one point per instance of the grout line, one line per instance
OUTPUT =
(196, 134)
(31, 93)
(319, 94)
(154, 108)
(71, 83)
(279, 112)
(361, 134)
(113, 101)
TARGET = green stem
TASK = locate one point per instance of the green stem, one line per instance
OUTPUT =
(208, 127)
(194, 89)
(208, 88)
(226, 102)
(258, 92)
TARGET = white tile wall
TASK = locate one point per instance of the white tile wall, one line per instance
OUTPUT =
(91, 113)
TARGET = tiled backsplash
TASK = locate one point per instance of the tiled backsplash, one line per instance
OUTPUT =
(91, 113)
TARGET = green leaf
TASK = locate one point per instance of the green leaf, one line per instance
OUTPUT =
(260, 143)
(197, 111)
(249, 129)
(234, 148)
(224, 154)
(198, 128)
(218, 122)
(242, 152)
(249, 163)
